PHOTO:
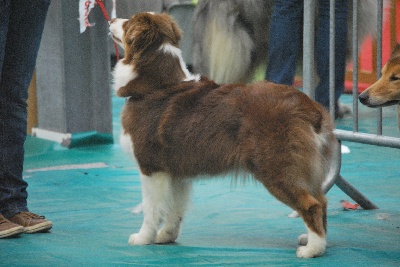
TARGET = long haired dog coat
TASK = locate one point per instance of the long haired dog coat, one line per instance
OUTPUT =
(181, 126)
(231, 36)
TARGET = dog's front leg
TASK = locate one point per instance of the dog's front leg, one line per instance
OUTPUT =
(177, 198)
(153, 201)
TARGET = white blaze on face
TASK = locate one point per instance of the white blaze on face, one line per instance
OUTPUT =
(117, 31)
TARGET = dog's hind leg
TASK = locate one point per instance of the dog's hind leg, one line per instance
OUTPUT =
(313, 212)
(177, 200)
(303, 239)
(154, 200)
(312, 208)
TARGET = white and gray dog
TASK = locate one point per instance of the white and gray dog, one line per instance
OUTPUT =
(231, 36)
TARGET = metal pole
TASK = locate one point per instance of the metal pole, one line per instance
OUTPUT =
(379, 60)
(365, 138)
(332, 58)
(308, 48)
(355, 65)
(358, 197)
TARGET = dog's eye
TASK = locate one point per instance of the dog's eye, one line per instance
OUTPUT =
(393, 78)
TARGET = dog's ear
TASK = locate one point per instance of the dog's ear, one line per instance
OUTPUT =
(174, 33)
(144, 34)
(150, 31)
(396, 51)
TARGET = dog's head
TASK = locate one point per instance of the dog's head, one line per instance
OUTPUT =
(153, 60)
(144, 33)
(385, 91)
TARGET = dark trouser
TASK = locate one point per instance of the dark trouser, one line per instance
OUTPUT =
(21, 27)
(285, 43)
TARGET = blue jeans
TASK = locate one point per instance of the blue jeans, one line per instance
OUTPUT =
(21, 27)
(285, 44)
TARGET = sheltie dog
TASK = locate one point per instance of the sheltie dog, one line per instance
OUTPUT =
(231, 36)
(385, 91)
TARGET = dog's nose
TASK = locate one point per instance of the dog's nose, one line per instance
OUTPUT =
(363, 97)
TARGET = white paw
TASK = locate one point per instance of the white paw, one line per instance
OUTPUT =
(136, 239)
(303, 252)
(165, 236)
(316, 245)
(302, 239)
(310, 251)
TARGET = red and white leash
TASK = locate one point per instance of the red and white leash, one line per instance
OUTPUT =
(105, 14)
(85, 6)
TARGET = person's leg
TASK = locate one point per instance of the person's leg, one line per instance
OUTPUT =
(4, 18)
(284, 41)
(22, 40)
(322, 50)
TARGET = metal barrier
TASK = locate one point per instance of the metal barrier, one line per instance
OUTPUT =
(308, 77)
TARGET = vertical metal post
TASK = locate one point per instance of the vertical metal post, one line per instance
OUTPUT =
(332, 58)
(379, 60)
(355, 65)
(308, 48)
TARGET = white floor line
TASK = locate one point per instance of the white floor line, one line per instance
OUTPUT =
(94, 165)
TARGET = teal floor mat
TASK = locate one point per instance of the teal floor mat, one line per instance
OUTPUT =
(89, 194)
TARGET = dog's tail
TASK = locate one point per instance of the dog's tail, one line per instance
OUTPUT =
(224, 45)
(330, 150)
(224, 52)
(334, 167)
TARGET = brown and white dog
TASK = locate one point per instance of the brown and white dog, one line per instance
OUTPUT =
(181, 126)
(385, 91)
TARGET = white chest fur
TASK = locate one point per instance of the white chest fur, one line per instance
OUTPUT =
(123, 74)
